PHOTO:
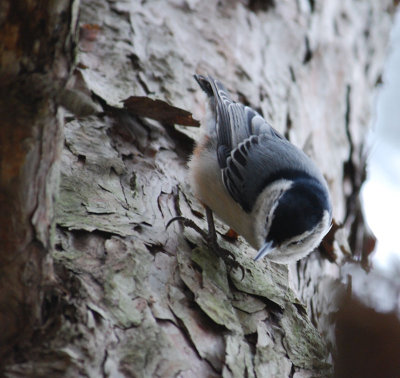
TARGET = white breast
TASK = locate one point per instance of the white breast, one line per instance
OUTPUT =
(205, 179)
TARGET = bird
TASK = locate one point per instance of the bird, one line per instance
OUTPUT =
(257, 182)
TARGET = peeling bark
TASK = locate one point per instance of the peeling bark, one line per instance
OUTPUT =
(140, 300)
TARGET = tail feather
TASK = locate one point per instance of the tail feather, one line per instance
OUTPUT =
(205, 85)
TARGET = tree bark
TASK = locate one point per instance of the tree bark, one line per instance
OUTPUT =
(36, 54)
(137, 299)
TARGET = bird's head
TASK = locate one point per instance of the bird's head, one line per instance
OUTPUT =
(297, 221)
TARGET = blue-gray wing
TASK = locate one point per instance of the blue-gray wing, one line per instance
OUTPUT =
(260, 160)
(235, 122)
(250, 152)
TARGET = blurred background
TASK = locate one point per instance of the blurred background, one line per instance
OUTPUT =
(381, 192)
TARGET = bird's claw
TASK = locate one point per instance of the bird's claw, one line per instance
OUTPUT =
(228, 257)
(189, 223)
(210, 238)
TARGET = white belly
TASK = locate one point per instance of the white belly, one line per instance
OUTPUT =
(206, 181)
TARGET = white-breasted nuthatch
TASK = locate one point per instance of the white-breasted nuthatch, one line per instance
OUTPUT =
(256, 181)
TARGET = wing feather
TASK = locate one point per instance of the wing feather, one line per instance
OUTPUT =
(250, 152)
(259, 160)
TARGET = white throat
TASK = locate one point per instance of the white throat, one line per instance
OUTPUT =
(264, 208)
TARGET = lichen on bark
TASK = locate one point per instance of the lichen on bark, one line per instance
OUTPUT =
(137, 299)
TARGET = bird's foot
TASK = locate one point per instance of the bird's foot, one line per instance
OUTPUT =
(212, 243)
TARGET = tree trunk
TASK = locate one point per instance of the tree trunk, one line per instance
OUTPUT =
(36, 52)
(134, 298)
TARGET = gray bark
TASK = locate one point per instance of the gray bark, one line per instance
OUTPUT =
(138, 300)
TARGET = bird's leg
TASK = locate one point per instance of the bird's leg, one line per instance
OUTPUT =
(212, 233)
(210, 237)
(212, 242)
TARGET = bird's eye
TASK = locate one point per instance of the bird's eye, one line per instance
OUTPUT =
(297, 242)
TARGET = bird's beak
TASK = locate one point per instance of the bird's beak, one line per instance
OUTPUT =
(264, 250)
